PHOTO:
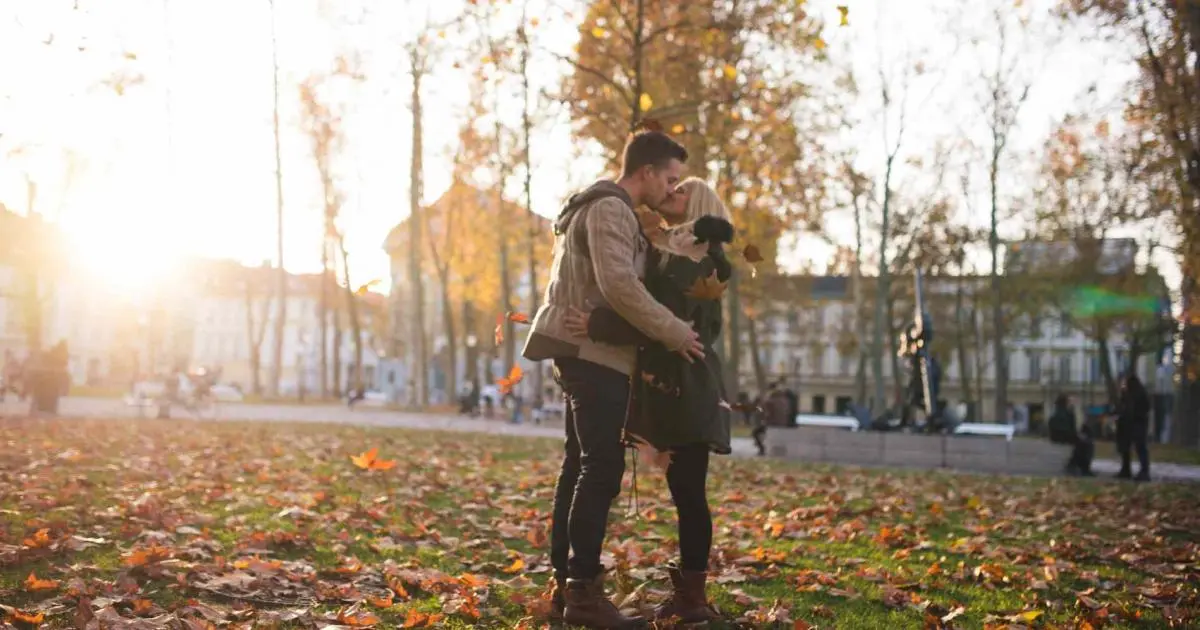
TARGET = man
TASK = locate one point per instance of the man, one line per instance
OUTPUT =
(599, 255)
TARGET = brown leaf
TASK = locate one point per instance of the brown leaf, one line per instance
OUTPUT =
(752, 254)
(709, 288)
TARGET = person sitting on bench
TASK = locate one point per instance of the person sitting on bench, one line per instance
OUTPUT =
(1063, 431)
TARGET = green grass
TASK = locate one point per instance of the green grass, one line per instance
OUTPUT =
(459, 525)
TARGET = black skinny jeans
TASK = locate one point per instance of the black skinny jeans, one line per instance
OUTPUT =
(687, 477)
(593, 464)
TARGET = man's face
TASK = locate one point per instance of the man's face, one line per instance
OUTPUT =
(659, 182)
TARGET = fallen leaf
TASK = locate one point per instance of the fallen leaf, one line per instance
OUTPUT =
(370, 461)
(33, 584)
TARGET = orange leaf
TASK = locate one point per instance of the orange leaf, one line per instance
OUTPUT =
(499, 330)
(381, 602)
(32, 583)
(415, 619)
(752, 254)
(364, 461)
(370, 461)
(519, 318)
(514, 377)
(709, 288)
(21, 616)
(40, 538)
(472, 581)
(356, 619)
(149, 555)
(516, 567)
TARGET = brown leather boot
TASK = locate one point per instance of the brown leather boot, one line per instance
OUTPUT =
(688, 601)
(588, 606)
(558, 601)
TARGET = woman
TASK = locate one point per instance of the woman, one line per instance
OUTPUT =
(1133, 421)
(678, 406)
(1063, 431)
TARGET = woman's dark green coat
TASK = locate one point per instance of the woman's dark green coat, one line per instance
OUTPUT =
(673, 402)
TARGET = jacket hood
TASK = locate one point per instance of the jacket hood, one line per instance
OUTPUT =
(599, 190)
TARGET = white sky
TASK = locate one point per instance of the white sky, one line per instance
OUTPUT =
(149, 188)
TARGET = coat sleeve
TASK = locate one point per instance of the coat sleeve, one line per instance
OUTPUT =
(606, 326)
(612, 232)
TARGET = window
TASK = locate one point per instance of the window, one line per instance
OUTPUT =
(1094, 369)
(1035, 327)
(1064, 326)
(846, 363)
(1064, 368)
(818, 404)
(1035, 368)
(819, 319)
(1122, 361)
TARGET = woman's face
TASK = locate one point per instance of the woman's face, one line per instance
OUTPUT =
(674, 209)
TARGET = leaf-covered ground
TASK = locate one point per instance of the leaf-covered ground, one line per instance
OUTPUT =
(147, 524)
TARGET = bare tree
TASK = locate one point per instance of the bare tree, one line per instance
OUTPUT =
(281, 281)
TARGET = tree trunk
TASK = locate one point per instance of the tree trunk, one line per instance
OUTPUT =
(882, 295)
(323, 306)
(352, 310)
(472, 360)
(999, 357)
(860, 322)
(510, 354)
(420, 360)
(253, 349)
(451, 341)
(894, 355)
(964, 364)
(1106, 370)
(635, 116)
(281, 278)
(760, 374)
(336, 331)
(526, 126)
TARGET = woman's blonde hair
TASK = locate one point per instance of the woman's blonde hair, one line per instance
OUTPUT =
(702, 200)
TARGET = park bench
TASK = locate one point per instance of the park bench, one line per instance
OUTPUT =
(971, 451)
(832, 422)
(979, 428)
(550, 412)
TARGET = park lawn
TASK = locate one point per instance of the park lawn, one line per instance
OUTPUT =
(148, 522)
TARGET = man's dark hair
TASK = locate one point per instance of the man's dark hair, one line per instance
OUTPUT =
(653, 148)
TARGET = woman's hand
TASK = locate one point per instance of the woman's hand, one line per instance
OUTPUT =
(577, 322)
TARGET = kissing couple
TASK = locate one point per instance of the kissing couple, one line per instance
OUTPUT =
(630, 318)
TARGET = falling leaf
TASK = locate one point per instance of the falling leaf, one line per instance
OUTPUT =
(752, 254)
(730, 72)
(645, 102)
(369, 461)
(709, 288)
(499, 332)
(845, 15)
(819, 44)
(519, 318)
(507, 383)
(598, 32)
(366, 288)
(32, 583)
(678, 129)
(533, 21)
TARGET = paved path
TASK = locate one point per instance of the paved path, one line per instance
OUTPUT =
(365, 416)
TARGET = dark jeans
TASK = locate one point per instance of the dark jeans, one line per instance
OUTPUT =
(593, 464)
(1133, 435)
(686, 477)
(759, 433)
